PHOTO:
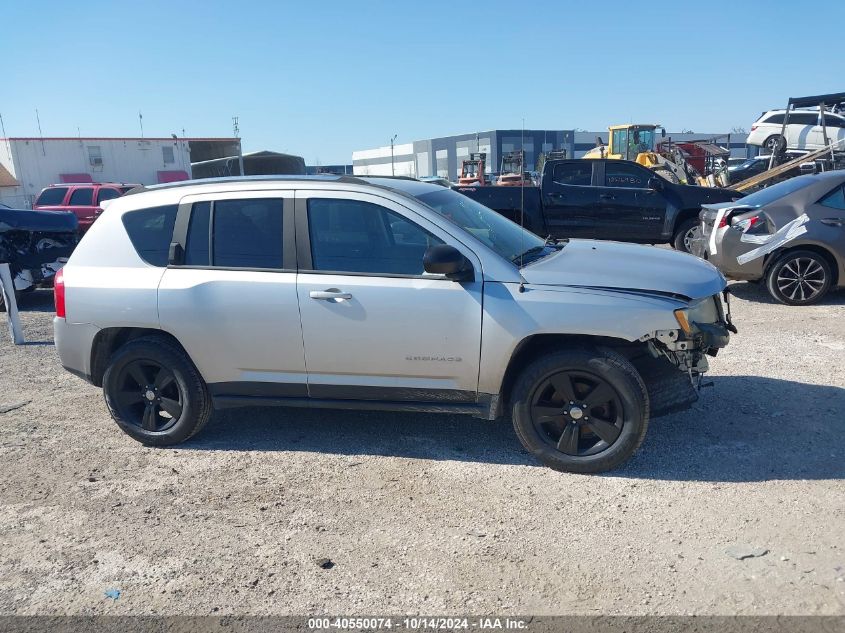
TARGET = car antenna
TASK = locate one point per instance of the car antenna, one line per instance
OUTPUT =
(522, 208)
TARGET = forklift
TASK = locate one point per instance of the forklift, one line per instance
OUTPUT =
(472, 170)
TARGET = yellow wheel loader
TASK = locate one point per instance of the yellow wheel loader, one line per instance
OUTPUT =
(638, 143)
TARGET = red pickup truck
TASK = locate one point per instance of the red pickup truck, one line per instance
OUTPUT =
(83, 199)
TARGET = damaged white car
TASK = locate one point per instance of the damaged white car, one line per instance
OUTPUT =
(35, 244)
(790, 236)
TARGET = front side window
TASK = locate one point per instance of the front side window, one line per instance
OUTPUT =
(835, 199)
(82, 197)
(151, 231)
(618, 174)
(573, 173)
(52, 196)
(360, 237)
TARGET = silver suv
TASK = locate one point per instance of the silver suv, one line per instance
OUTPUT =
(383, 294)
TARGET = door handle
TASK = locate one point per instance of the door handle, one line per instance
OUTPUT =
(834, 221)
(606, 196)
(332, 294)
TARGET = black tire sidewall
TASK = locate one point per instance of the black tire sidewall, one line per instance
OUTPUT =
(195, 399)
(624, 380)
(678, 238)
(772, 275)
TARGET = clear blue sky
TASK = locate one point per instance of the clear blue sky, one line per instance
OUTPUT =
(321, 79)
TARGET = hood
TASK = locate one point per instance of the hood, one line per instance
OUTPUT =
(623, 266)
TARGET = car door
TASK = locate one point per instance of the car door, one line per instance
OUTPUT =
(375, 326)
(229, 294)
(569, 199)
(803, 131)
(627, 208)
(828, 216)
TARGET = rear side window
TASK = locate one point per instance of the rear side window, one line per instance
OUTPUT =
(107, 194)
(573, 173)
(804, 118)
(835, 199)
(82, 197)
(618, 174)
(52, 196)
(151, 231)
(236, 234)
(199, 237)
(774, 118)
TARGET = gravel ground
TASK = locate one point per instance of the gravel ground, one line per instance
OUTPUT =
(430, 513)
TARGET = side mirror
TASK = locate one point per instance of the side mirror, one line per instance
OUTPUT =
(663, 132)
(447, 260)
(655, 184)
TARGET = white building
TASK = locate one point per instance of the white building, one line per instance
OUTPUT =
(443, 156)
(28, 164)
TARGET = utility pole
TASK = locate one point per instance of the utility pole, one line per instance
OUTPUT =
(392, 169)
(237, 130)
(141, 123)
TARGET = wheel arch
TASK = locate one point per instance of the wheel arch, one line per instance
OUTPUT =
(823, 251)
(533, 346)
(108, 340)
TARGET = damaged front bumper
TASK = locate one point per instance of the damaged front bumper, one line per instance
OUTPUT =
(706, 327)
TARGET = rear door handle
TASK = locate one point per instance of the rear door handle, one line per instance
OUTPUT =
(606, 196)
(332, 294)
(834, 221)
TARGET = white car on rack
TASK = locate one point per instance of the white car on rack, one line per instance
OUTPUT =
(804, 130)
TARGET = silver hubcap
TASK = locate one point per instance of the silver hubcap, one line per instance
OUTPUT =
(691, 235)
(801, 279)
(150, 395)
(576, 413)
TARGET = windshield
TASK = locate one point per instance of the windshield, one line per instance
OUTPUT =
(770, 194)
(496, 231)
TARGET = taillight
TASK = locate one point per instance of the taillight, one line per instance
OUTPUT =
(748, 223)
(753, 127)
(59, 293)
(723, 222)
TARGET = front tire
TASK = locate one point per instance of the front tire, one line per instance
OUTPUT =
(580, 411)
(154, 392)
(799, 278)
(687, 231)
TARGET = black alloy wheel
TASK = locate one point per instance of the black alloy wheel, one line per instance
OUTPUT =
(148, 396)
(577, 412)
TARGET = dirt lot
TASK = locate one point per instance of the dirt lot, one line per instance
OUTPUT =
(433, 514)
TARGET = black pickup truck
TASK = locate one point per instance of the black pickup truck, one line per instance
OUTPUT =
(604, 199)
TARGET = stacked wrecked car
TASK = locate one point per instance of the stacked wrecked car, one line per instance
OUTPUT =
(35, 244)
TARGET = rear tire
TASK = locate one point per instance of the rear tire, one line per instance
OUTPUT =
(604, 425)
(799, 278)
(154, 392)
(775, 144)
(687, 231)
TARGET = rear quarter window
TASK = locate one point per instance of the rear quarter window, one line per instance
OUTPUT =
(52, 196)
(151, 231)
